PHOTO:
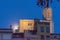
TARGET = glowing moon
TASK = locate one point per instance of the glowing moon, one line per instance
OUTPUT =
(15, 26)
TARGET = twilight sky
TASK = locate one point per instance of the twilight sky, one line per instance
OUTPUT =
(11, 11)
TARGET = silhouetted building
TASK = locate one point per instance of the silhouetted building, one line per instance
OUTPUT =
(18, 36)
(43, 30)
(6, 34)
(55, 36)
(30, 35)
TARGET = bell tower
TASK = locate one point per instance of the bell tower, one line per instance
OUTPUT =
(47, 13)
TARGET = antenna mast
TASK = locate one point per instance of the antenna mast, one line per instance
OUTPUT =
(44, 3)
(47, 12)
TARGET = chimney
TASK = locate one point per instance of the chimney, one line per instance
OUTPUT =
(10, 26)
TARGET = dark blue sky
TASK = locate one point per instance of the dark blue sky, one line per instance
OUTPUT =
(11, 11)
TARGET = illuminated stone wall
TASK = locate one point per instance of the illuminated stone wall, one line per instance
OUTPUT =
(26, 25)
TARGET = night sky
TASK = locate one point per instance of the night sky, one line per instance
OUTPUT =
(11, 11)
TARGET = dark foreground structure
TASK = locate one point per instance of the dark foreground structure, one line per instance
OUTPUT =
(7, 34)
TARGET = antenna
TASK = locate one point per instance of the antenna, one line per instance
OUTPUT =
(45, 3)
(47, 11)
